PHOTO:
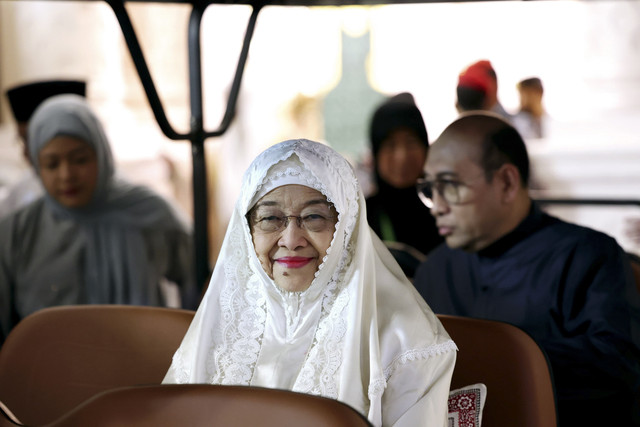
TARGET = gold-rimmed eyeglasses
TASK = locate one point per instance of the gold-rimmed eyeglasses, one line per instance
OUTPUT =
(311, 222)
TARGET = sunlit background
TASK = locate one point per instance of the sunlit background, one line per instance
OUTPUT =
(319, 73)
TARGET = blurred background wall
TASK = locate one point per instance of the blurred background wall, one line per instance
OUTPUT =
(319, 72)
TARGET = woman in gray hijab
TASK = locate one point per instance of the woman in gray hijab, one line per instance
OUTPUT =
(92, 238)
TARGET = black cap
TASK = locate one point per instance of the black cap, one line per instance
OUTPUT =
(24, 99)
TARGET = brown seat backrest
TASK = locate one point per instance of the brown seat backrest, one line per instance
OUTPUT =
(58, 357)
(510, 363)
(196, 405)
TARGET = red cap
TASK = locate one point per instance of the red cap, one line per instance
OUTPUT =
(479, 75)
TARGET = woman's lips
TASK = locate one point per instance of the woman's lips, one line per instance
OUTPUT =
(294, 261)
(444, 230)
(70, 192)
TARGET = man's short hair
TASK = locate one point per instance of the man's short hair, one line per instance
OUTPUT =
(531, 83)
(505, 145)
(500, 144)
(470, 98)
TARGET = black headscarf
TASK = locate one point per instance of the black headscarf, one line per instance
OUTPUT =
(410, 220)
(396, 112)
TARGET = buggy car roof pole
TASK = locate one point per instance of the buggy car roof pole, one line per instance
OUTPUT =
(197, 134)
(237, 79)
(143, 70)
(198, 155)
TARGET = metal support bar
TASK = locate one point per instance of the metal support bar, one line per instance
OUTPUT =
(197, 134)
(198, 158)
(143, 70)
(237, 79)
(582, 202)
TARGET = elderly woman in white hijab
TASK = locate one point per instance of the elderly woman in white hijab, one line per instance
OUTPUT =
(305, 297)
(92, 238)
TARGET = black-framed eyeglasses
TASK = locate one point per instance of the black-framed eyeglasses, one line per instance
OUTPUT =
(448, 189)
(312, 222)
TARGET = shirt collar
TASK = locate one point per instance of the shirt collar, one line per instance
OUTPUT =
(530, 224)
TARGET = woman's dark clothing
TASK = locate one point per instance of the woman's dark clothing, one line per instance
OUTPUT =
(399, 216)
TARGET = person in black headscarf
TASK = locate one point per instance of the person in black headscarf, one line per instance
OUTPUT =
(399, 144)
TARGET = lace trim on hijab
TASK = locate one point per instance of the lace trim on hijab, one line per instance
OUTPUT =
(419, 354)
(325, 357)
(319, 372)
(237, 342)
(180, 367)
(244, 312)
(376, 388)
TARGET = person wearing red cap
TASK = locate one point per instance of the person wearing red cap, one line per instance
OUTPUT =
(23, 100)
(477, 89)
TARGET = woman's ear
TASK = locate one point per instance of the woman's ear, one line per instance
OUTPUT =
(509, 177)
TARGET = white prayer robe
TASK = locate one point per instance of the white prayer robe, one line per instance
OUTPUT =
(360, 333)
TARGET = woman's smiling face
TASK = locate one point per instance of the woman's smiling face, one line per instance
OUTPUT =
(292, 227)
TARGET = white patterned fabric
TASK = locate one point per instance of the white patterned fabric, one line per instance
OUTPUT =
(360, 333)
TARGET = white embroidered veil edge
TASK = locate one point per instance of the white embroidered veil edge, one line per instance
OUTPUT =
(224, 341)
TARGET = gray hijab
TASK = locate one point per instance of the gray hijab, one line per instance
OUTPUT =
(117, 264)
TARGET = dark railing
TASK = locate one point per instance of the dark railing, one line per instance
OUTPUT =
(197, 134)
(588, 201)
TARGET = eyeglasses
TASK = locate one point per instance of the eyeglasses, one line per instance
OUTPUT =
(312, 222)
(448, 189)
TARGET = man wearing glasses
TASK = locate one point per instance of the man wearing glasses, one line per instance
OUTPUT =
(568, 286)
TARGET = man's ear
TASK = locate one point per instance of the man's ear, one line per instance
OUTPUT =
(509, 178)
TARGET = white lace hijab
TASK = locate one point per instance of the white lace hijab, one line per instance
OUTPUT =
(336, 339)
